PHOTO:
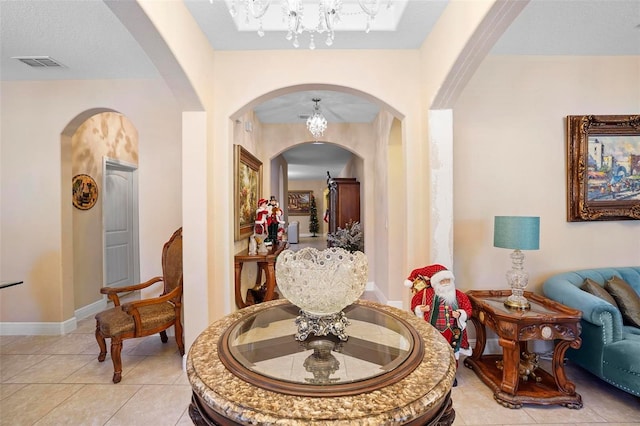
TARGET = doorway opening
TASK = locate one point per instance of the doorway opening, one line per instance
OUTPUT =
(121, 251)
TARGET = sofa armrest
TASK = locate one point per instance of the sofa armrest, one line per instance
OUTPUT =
(594, 310)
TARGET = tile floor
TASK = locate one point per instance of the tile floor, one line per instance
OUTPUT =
(319, 242)
(57, 380)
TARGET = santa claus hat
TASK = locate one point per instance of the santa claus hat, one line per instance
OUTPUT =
(432, 273)
(261, 201)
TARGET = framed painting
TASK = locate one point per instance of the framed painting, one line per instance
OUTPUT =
(603, 167)
(299, 203)
(247, 190)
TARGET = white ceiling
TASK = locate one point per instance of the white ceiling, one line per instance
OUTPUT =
(91, 43)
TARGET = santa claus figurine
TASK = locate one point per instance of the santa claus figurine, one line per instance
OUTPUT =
(262, 214)
(437, 301)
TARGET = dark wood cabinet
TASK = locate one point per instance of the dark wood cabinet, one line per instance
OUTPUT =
(344, 202)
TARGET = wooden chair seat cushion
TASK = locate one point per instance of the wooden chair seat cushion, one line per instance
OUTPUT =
(115, 321)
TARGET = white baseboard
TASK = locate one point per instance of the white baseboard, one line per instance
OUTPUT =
(371, 286)
(52, 328)
(380, 297)
(38, 328)
(91, 309)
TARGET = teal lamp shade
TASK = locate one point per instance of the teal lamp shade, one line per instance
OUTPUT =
(517, 232)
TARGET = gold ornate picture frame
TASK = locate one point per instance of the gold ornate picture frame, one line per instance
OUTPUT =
(603, 167)
(299, 203)
(247, 190)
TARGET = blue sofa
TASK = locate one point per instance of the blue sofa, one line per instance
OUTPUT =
(610, 349)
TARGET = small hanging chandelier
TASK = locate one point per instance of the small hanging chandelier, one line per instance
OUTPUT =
(330, 14)
(316, 123)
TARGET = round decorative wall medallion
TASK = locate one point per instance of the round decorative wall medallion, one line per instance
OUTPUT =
(85, 192)
(546, 332)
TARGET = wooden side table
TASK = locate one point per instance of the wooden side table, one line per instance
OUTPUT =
(546, 320)
(266, 263)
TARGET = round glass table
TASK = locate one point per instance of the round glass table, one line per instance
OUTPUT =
(394, 368)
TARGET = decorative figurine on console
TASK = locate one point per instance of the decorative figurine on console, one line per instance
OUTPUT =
(253, 245)
(256, 240)
(275, 221)
(262, 213)
(437, 301)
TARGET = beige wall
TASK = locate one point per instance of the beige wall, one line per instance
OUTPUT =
(509, 159)
(32, 224)
(509, 100)
(229, 86)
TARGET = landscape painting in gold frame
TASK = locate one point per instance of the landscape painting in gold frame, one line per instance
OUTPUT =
(603, 167)
(247, 191)
(299, 203)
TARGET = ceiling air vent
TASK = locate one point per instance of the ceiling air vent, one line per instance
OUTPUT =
(39, 61)
(304, 116)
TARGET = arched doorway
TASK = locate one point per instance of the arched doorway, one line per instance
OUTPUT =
(89, 139)
(370, 141)
(308, 165)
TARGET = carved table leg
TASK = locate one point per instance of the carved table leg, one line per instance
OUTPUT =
(270, 273)
(557, 364)
(238, 283)
(481, 339)
(511, 360)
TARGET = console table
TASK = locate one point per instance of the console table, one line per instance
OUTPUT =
(266, 262)
(546, 320)
(394, 369)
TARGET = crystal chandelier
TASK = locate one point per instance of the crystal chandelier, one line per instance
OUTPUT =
(316, 123)
(330, 13)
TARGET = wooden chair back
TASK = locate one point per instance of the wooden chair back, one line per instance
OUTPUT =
(172, 262)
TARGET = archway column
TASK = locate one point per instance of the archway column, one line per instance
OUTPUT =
(469, 30)
(194, 219)
(441, 182)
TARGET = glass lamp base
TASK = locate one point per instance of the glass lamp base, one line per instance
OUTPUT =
(514, 302)
(517, 278)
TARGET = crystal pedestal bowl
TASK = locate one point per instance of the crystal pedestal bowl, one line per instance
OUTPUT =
(321, 284)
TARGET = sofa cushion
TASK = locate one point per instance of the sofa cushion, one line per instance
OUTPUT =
(592, 287)
(627, 299)
(621, 365)
(631, 333)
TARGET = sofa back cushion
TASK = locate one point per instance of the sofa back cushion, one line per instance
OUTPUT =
(627, 299)
(592, 287)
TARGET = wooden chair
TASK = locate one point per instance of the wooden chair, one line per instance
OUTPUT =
(144, 317)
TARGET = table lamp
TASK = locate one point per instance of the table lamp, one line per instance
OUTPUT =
(517, 233)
